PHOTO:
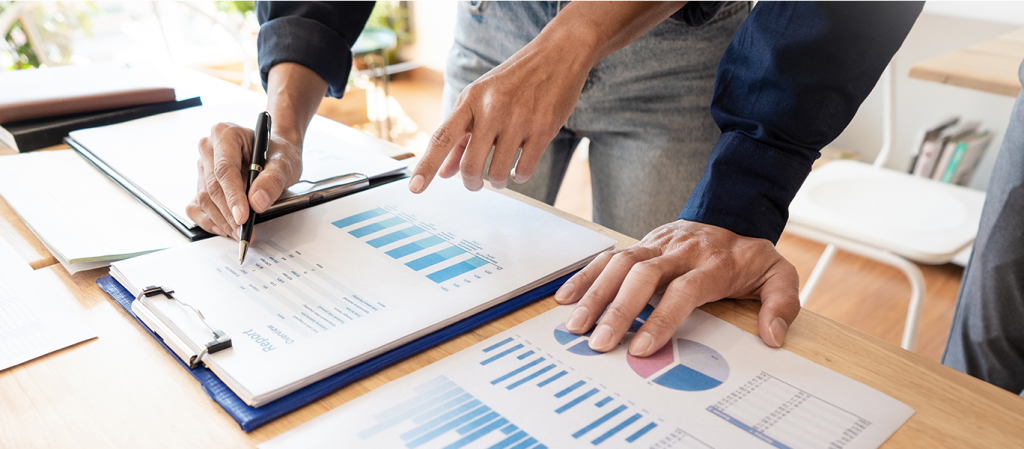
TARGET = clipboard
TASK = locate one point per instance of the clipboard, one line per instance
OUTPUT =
(249, 418)
(299, 196)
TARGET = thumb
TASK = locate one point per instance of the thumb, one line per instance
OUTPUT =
(780, 303)
(276, 176)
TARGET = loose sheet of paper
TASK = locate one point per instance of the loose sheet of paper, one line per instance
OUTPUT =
(85, 218)
(537, 385)
(329, 286)
(36, 318)
(158, 154)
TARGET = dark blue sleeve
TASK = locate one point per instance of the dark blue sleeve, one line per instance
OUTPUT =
(318, 35)
(790, 81)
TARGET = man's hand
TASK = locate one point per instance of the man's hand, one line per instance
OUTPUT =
(522, 103)
(220, 205)
(694, 264)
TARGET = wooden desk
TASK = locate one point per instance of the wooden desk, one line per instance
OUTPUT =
(989, 66)
(124, 390)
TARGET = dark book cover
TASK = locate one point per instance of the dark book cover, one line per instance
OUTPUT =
(28, 135)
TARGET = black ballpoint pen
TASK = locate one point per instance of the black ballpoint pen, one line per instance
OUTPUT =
(261, 141)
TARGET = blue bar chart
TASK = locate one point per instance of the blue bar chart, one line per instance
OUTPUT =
(609, 419)
(418, 248)
(440, 414)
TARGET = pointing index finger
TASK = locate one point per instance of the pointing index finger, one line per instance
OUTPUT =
(441, 143)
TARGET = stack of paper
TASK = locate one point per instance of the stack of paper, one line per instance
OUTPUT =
(325, 288)
(539, 386)
(36, 318)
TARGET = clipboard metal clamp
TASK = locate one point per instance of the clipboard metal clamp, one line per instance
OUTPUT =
(220, 341)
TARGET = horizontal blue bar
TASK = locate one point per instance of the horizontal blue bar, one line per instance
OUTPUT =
(477, 423)
(435, 258)
(573, 402)
(502, 354)
(599, 421)
(359, 217)
(455, 270)
(399, 417)
(616, 429)
(497, 345)
(552, 379)
(414, 247)
(604, 401)
(427, 437)
(641, 432)
(525, 444)
(478, 434)
(419, 399)
(569, 389)
(531, 376)
(525, 355)
(433, 423)
(509, 429)
(441, 409)
(378, 226)
(395, 236)
(509, 441)
(517, 371)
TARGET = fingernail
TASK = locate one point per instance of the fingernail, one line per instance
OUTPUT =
(577, 319)
(217, 231)
(601, 336)
(778, 331)
(565, 292)
(641, 343)
(499, 184)
(261, 200)
(416, 184)
(237, 212)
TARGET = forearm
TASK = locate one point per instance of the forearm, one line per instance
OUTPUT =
(594, 30)
(293, 95)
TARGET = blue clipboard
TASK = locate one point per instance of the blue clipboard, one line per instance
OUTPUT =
(249, 417)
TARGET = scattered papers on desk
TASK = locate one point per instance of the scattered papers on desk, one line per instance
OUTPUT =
(85, 219)
(158, 154)
(35, 317)
(328, 287)
(537, 385)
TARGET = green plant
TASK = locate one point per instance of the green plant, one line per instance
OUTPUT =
(53, 24)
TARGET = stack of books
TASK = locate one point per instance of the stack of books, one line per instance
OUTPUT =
(949, 151)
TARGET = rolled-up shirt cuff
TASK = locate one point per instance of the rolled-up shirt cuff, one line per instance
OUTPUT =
(305, 42)
(747, 187)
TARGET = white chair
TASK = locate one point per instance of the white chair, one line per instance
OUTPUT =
(885, 215)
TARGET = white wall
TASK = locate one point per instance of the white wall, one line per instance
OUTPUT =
(944, 27)
(434, 30)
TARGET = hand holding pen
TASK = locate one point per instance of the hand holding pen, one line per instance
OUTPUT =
(261, 142)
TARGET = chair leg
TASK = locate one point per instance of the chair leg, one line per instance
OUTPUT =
(916, 307)
(819, 268)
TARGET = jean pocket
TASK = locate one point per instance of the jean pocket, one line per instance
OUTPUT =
(475, 7)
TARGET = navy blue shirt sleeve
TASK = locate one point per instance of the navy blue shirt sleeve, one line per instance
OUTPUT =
(790, 81)
(318, 35)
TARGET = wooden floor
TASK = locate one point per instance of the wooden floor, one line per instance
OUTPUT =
(859, 292)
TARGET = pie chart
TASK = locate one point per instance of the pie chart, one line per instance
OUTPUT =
(582, 342)
(683, 365)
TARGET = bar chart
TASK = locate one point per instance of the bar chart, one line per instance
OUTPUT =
(591, 412)
(418, 248)
(440, 414)
(788, 417)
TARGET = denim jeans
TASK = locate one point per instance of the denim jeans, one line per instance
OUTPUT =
(645, 108)
(987, 337)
